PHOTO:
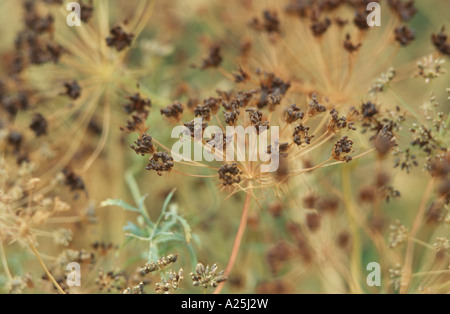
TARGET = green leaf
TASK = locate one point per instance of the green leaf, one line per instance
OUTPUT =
(143, 211)
(192, 256)
(135, 230)
(167, 201)
(119, 203)
(186, 227)
(153, 254)
(167, 237)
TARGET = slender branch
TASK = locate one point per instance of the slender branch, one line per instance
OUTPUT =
(408, 265)
(50, 276)
(237, 240)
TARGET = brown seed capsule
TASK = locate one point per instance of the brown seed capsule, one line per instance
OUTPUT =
(277, 255)
(241, 76)
(349, 46)
(440, 42)
(160, 162)
(309, 201)
(384, 141)
(313, 221)
(230, 174)
(301, 135)
(369, 110)
(342, 148)
(214, 58)
(74, 181)
(315, 107)
(272, 90)
(367, 194)
(119, 39)
(173, 111)
(203, 111)
(336, 123)
(256, 119)
(15, 139)
(86, 12)
(329, 205)
(39, 124)
(137, 104)
(293, 113)
(343, 240)
(360, 20)
(404, 35)
(320, 27)
(269, 24)
(137, 124)
(405, 9)
(73, 90)
(276, 209)
(144, 145)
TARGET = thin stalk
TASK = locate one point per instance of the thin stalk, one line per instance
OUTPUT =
(409, 257)
(50, 276)
(237, 240)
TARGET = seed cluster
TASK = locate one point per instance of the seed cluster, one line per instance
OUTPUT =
(170, 285)
(173, 111)
(440, 42)
(342, 148)
(160, 264)
(207, 276)
(119, 38)
(144, 145)
(230, 174)
(160, 162)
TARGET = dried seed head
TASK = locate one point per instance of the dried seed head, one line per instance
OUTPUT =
(74, 181)
(313, 221)
(73, 90)
(336, 123)
(214, 58)
(160, 162)
(39, 124)
(349, 46)
(119, 39)
(293, 113)
(440, 42)
(315, 107)
(301, 135)
(342, 148)
(309, 201)
(160, 264)
(405, 9)
(230, 174)
(320, 27)
(404, 35)
(137, 104)
(170, 285)
(173, 111)
(207, 276)
(144, 145)
(270, 22)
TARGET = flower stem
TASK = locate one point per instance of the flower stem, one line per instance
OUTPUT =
(237, 240)
(408, 265)
(50, 276)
